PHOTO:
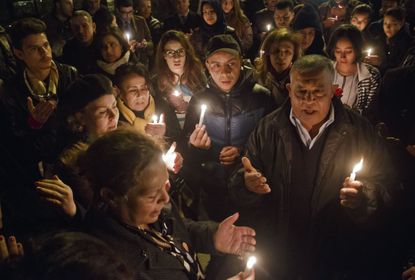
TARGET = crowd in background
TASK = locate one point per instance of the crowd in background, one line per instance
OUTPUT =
(92, 99)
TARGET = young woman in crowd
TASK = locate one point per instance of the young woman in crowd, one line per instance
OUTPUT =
(179, 72)
(279, 50)
(132, 213)
(235, 18)
(212, 23)
(358, 80)
(138, 106)
(112, 50)
(307, 23)
(87, 109)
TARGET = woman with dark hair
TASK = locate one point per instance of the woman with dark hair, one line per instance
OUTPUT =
(307, 23)
(358, 80)
(179, 71)
(132, 213)
(112, 50)
(139, 106)
(281, 47)
(235, 18)
(212, 23)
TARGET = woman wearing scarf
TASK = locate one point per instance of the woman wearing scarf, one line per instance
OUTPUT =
(112, 51)
(212, 23)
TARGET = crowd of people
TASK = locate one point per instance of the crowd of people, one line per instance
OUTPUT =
(136, 136)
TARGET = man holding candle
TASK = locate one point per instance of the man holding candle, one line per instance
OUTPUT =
(234, 105)
(294, 182)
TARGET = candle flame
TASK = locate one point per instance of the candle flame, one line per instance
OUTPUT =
(358, 166)
(268, 27)
(203, 107)
(155, 118)
(170, 156)
(251, 262)
(176, 93)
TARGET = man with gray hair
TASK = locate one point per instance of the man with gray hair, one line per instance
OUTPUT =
(295, 183)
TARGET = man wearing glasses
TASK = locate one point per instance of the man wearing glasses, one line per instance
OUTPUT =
(294, 182)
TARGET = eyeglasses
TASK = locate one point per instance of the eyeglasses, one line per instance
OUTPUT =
(309, 96)
(175, 53)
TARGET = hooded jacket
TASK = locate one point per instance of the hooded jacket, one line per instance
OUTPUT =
(308, 17)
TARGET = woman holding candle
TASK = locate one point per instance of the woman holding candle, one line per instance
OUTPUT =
(139, 108)
(112, 50)
(358, 80)
(279, 50)
(132, 213)
(179, 71)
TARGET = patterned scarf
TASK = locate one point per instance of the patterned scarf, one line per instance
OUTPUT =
(37, 88)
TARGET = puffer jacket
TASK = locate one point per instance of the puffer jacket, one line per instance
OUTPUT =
(335, 234)
(229, 120)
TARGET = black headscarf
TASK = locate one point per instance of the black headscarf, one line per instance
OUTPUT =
(220, 25)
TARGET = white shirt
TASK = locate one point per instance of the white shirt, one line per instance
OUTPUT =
(304, 135)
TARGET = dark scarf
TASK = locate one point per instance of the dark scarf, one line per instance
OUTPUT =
(220, 25)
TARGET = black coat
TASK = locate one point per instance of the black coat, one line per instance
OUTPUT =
(335, 234)
(191, 23)
(146, 260)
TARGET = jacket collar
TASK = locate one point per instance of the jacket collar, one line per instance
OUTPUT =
(362, 71)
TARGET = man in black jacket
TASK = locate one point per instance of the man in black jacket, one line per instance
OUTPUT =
(313, 221)
(28, 120)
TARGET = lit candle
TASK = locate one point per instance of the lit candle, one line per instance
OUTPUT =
(369, 52)
(250, 263)
(202, 114)
(261, 53)
(170, 156)
(356, 168)
(335, 17)
(155, 118)
(161, 120)
(268, 27)
(176, 93)
(127, 36)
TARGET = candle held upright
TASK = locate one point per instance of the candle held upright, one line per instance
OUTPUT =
(203, 108)
(356, 169)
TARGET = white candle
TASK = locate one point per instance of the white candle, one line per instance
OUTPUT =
(250, 263)
(356, 168)
(202, 113)
(161, 120)
(127, 36)
(176, 93)
(268, 27)
(369, 52)
(335, 17)
(170, 156)
(261, 53)
(155, 118)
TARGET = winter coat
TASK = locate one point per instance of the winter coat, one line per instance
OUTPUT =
(142, 256)
(334, 234)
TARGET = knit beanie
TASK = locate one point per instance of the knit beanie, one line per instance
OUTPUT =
(306, 17)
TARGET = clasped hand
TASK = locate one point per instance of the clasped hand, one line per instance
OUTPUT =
(351, 194)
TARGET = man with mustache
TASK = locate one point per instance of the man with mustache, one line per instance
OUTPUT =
(313, 220)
